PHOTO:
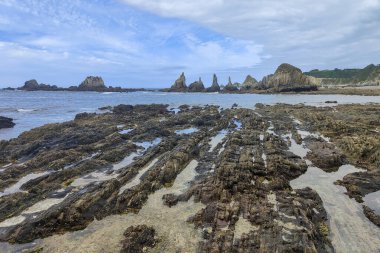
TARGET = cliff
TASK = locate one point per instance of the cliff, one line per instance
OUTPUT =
(288, 78)
(370, 75)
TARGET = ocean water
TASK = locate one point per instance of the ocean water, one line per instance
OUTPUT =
(33, 109)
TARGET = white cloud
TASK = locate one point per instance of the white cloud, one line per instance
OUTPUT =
(299, 31)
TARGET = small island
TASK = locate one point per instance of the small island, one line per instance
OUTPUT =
(91, 83)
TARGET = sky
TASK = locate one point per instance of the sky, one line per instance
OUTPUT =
(148, 43)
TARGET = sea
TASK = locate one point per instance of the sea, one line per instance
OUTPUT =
(31, 109)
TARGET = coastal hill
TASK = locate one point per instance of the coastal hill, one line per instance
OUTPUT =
(287, 78)
(369, 75)
(91, 83)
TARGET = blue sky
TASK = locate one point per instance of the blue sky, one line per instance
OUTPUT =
(135, 43)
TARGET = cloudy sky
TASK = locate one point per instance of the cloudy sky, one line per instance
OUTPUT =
(147, 43)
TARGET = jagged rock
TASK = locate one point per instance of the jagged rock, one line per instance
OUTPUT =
(137, 238)
(288, 78)
(230, 86)
(33, 85)
(325, 156)
(6, 122)
(197, 86)
(249, 83)
(92, 83)
(359, 184)
(180, 84)
(215, 86)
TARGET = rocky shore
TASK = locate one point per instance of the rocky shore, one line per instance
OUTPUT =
(146, 178)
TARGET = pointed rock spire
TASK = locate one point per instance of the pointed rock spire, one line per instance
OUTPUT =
(179, 84)
(215, 86)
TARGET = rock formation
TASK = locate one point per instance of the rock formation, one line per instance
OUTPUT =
(33, 85)
(180, 84)
(89, 84)
(92, 83)
(6, 122)
(197, 86)
(230, 86)
(215, 86)
(288, 78)
(249, 83)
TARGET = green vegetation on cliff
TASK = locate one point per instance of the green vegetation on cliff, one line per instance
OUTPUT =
(369, 74)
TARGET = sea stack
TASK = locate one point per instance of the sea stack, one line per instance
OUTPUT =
(92, 83)
(215, 86)
(289, 78)
(230, 86)
(180, 84)
(197, 86)
(249, 83)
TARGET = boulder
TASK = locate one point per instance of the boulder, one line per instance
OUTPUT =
(92, 83)
(289, 78)
(179, 84)
(197, 86)
(215, 86)
(6, 122)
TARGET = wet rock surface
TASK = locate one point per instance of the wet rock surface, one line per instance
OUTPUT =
(137, 238)
(223, 187)
(370, 214)
(6, 122)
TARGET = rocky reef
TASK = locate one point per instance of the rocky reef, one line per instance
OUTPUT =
(91, 83)
(33, 85)
(146, 179)
(6, 122)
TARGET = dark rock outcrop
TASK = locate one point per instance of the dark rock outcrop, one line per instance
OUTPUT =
(325, 156)
(137, 238)
(371, 215)
(6, 122)
(231, 86)
(92, 83)
(197, 86)
(89, 84)
(33, 85)
(215, 86)
(288, 78)
(180, 84)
